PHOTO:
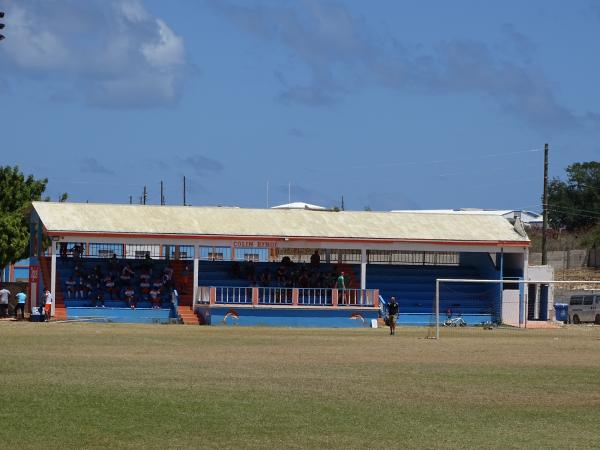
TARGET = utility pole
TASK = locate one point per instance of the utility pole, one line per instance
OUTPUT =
(184, 191)
(545, 209)
(162, 196)
(145, 195)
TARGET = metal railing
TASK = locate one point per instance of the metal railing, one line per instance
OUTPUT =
(275, 296)
(263, 296)
(233, 295)
(356, 297)
(404, 257)
(315, 296)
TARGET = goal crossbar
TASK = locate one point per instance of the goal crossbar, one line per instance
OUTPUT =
(438, 281)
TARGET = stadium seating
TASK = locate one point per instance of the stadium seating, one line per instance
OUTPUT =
(115, 309)
(414, 289)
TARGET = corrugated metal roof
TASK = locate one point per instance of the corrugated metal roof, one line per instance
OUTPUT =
(65, 218)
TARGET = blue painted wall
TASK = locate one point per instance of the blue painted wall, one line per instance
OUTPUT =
(288, 317)
(120, 315)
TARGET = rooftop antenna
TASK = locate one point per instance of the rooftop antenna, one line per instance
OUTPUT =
(267, 194)
(162, 196)
(289, 192)
(131, 199)
(145, 195)
(342, 203)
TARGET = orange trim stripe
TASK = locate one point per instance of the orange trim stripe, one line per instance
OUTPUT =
(286, 239)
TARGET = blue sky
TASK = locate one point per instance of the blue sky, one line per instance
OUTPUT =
(394, 105)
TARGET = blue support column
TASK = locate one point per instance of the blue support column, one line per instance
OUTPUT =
(544, 302)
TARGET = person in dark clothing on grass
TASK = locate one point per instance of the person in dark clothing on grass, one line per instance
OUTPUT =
(392, 314)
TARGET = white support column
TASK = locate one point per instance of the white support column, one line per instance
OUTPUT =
(363, 269)
(196, 266)
(53, 248)
(525, 299)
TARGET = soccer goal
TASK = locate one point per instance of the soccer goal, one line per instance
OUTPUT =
(514, 302)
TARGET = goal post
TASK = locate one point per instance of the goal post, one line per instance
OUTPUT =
(524, 283)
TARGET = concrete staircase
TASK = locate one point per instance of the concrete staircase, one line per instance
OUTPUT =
(188, 316)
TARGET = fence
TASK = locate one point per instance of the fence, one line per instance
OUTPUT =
(413, 258)
(265, 296)
(124, 251)
(568, 259)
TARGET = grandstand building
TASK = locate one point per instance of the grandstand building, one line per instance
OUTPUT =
(257, 266)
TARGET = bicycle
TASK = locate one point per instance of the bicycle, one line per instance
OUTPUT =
(455, 322)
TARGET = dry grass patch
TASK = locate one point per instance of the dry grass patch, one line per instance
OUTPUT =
(129, 386)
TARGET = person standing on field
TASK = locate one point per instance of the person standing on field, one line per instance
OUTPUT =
(392, 314)
(20, 306)
(4, 295)
(48, 304)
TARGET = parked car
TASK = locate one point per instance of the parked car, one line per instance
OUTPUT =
(584, 308)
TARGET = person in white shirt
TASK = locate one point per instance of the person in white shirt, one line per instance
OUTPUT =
(4, 295)
(48, 304)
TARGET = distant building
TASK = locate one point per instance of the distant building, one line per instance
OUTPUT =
(18, 271)
(300, 205)
(529, 218)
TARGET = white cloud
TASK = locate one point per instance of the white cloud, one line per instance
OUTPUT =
(168, 51)
(111, 53)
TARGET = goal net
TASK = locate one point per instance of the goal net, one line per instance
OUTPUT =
(511, 303)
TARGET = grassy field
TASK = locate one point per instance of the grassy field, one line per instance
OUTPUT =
(68, 385)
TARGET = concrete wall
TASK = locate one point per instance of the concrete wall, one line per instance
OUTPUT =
(288, 317)
(510, 307)
(568, 259)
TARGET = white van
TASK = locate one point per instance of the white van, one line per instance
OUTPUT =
(584, 308)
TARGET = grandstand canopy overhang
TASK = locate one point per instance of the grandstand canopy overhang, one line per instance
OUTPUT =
(184, 225)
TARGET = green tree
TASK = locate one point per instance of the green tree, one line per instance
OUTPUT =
(575, 204)
(16, 194)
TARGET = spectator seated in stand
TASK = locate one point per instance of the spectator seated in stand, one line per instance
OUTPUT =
(71, 288)
(265, 277)
(154, 296)
(157, 284)
(80, 286)
(109, 285)
(129, 294)
(303, 280)
(144, 288)
(127, 275)
(88, 289)
(146, 275)
(281, 275)
(98, 298)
